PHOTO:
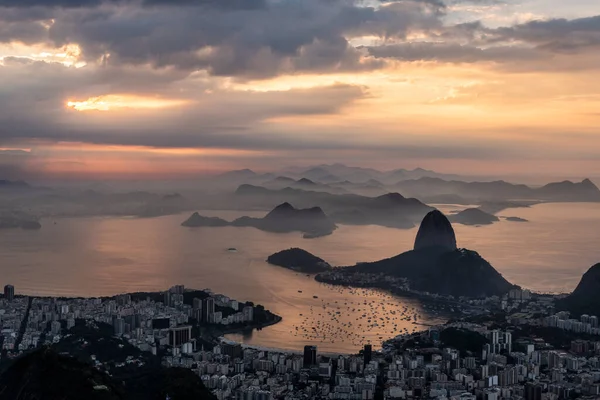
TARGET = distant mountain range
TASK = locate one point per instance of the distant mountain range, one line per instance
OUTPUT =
(428, 186)
(283, 218)
(391, 210)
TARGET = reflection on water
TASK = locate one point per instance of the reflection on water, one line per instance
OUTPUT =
(102, 256)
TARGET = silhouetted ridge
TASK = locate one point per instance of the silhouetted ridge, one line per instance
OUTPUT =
(585, 299)
(283, 218)
(434, 266)
(44, 374)
(435, 231)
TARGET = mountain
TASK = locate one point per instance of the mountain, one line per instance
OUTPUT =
(8, 185)
(500, 190)
(283, 218)
(473, 216)
(65, 371)
(567, 191)
(326, 172)
(434, 266)
(44, 374)
(391, 210)
(196, 220)
(299, 260)
(585, 299)
(238, 174)
(435, 231)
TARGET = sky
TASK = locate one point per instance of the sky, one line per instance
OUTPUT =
(167, 89)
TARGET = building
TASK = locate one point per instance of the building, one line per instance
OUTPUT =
(310, 356)
(9, 292)
(232, 350)
(180, 335)
(368, 353)
(119, 326)
(208, 309)
(248, 313)
(167, 298)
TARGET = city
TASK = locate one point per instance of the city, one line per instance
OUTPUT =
(517, 349)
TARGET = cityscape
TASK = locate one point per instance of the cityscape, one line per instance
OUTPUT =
(299, 199)
(516, 347)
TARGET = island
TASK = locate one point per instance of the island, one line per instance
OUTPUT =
(17, 220)
(284, 218)
(516, 219)
(299, 260)
(473, 216)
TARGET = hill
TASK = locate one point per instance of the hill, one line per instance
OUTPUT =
(283, 218)
(44, 374)
(391, 210)
(427, 187)
(64, 371)
(299, 260)
(585, 299)
(435, 266)
(473, 216)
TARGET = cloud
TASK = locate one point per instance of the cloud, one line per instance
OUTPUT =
(556, 35)
(256, 39)
(223, 4)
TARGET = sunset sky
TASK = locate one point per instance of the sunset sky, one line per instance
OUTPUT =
(153, 89)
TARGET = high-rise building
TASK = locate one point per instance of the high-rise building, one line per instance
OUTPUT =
(368, 353)
(178, 289)
(310, 356)
(167, 298)
(9, 292)
(232, 350)
(197, 303)
(209, 308)
(180, 335)
(119, 326)
(533, 391)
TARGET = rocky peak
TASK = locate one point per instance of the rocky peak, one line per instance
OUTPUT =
(435, 231)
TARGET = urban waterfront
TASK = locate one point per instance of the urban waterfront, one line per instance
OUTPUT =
(107, 256)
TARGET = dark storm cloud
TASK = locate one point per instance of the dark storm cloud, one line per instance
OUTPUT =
(559, 35)
(254, 38)
(222, 4)
(454, 53)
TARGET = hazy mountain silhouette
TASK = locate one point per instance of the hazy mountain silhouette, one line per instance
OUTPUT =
(392, 209)
(283, 218)
(501, 190)
(473, 216)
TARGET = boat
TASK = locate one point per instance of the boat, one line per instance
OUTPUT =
(315, 297)
(299, 291)
(232, 249)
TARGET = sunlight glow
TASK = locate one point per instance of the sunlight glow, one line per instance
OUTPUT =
(119, 102)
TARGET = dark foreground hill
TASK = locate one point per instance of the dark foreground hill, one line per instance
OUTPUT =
(585, 299)
(435, 265)
(44, 374)
(64, 372)
(459, 272)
